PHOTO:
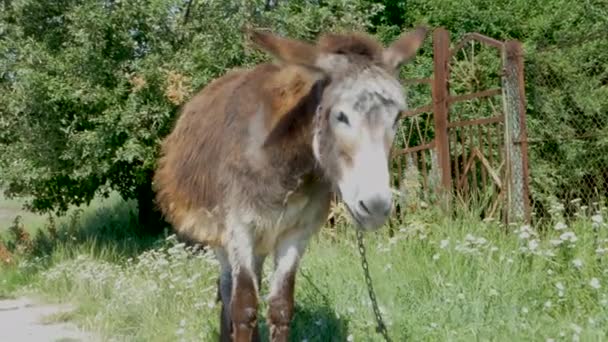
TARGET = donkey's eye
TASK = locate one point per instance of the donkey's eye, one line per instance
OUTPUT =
(343, 118)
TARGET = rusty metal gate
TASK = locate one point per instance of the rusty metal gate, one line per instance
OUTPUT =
(469, 147)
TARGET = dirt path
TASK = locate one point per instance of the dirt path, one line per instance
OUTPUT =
(23, 319)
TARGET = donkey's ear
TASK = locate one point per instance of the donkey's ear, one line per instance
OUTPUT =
(285, 49)
(404, 48)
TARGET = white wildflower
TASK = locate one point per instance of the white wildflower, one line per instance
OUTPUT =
(435, 256)
(555, 243)
(578, 263)
(350, 338)
(560, 226)
(560, 288)
(525, 232)
(444, 243)
(595, 283)
(597, 220)
(568, 236)
(533, 245)
(548, 304)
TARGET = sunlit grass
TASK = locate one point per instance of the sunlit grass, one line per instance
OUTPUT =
(436, 279)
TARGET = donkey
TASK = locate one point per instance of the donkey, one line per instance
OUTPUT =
(252, 162)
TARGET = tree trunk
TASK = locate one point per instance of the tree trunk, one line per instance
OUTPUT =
(150, 218)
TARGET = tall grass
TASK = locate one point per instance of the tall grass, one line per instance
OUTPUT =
(437, 278)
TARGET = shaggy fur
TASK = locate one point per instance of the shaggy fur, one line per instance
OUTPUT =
(253, 158)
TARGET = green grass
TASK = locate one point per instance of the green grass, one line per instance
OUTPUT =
(436, 279)
(11, 208)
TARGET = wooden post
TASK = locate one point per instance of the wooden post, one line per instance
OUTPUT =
(516, 146)
(440, 93)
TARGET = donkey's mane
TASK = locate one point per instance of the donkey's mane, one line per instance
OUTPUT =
(353, 44)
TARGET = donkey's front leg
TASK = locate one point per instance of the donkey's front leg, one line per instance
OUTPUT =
(244, 296)
(281, 299)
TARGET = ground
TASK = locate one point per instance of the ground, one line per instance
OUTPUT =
(24, 319)
(437, 278)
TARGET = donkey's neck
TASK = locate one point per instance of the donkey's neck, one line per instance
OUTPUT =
(290, 141)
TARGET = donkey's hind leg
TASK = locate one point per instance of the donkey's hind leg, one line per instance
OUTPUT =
(225, 293)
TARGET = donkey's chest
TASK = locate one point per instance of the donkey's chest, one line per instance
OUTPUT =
(302, 212)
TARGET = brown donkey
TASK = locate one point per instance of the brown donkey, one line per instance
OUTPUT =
(252, 161)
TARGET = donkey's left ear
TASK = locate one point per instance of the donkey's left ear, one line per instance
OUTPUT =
(285, 49)
(404, 48)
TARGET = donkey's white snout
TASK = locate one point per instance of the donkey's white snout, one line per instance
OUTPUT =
(376, 206)
(373, 211)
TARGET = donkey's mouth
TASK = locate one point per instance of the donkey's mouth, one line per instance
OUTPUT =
(356, 217)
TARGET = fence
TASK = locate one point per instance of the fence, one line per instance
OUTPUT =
(486, 114)
(514, 136)
(463, 152)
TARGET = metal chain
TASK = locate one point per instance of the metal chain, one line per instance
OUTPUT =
(381, 328)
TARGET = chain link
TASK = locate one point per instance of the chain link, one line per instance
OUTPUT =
(381, 328)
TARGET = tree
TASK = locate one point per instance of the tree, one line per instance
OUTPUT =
(88, 88)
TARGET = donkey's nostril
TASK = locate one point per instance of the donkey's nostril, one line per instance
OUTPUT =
(364, 207)
(376, 206)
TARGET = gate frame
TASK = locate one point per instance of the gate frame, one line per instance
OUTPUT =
(516, 187)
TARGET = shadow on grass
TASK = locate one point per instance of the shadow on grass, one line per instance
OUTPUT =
(314, 317)
(318, 323)
(109, 229)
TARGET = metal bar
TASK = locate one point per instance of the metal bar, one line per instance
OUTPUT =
(416, 163)
(455, 160)
(464, 151)
(440, 93)
(490, 150)
(478, 37)
(474, 166)
(483, 170)
(413, 112)
(400, 171)
(488, 167)
(415, 148)
(424, 170)
(484, 121)
(476, 95)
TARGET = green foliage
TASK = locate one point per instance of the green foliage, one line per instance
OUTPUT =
(89, 88)
(566, 70)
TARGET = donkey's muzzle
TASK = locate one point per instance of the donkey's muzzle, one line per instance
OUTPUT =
(373, 212)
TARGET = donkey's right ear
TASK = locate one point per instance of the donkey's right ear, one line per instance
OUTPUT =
(285, 49)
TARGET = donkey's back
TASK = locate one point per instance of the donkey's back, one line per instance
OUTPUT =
(223, 154)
